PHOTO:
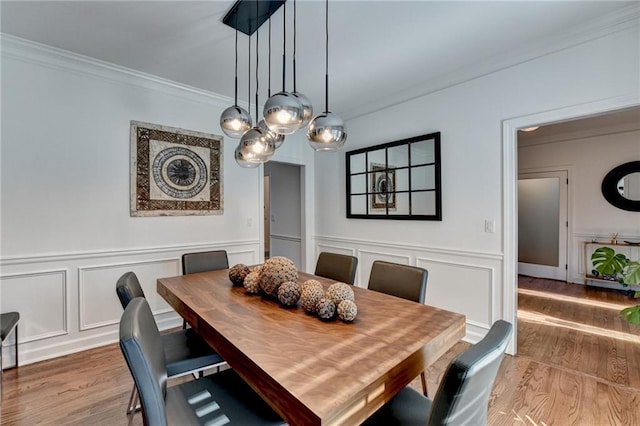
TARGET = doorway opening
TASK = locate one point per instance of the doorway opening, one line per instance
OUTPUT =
(283, 211)
(513, 150)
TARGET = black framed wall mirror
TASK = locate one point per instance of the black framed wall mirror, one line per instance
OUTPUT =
(395, 180)
(621, 186)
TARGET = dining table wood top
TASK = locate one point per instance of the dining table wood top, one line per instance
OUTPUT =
(315, 372)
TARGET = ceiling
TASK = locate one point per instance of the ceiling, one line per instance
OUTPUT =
(381, 52)
(619, 121)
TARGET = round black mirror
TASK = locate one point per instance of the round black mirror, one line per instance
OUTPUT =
(621, 186)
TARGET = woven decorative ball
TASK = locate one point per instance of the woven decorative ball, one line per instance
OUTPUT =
(238, 273)
(252, 283)
(311, 283)
(275, 271)
(311, 295)
(347, 310)
(257, 269)
(289, 293)
(326, 309)
(339, 292)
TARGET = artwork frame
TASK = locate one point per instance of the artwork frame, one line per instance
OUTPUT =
(382, 188)
(174, 172)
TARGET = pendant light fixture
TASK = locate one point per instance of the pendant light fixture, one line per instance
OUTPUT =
(326, 131)
(305, 103)
(276, 138)
(255, 145)
(282, 111)
(235, 120)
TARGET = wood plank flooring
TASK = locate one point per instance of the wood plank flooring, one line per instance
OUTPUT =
(578, 364)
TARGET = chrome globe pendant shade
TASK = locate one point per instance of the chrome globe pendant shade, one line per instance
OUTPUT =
(256, 145)
(305, 103)
(282, 112)
(326, 131)
(235, 120)
(242, 161)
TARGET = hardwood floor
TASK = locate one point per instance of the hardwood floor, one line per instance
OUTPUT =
(578, 364)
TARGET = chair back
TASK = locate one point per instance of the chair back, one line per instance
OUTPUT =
(339, 267)
(128, 288)
(143, 351)
(204, 261)
(407, 282)
(463, 395)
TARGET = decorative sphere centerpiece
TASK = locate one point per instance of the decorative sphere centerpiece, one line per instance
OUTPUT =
(289, 293)
(238, 273)
(347, 310)
(275, 271)
(325, 309)
(338, 292)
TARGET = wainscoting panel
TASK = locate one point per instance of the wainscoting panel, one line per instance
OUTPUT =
(68, 303)
(460, 287)
(97, 300)
(248, 257)
(41, 299)
(459, 281)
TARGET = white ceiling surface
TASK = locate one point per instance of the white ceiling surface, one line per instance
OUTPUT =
(620, 121)
(381, 52)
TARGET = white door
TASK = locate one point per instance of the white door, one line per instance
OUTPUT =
(543, 224)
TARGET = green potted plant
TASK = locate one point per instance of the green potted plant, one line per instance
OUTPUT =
(617, 267)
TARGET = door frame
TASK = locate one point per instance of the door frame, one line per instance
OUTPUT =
(510, 190)
(568, 211)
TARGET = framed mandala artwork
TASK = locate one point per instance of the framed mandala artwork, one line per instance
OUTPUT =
(382, 187)
(175, 172)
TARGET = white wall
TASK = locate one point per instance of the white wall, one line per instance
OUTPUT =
(286, 205)
(66, 230)
(588, 161)
(465, 263)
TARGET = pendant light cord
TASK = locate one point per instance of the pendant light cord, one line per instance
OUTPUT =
(249, 73)
(294, 46)
(284, 45)
(269, 82)
(236, 64)
(257, 62)
(326, 56)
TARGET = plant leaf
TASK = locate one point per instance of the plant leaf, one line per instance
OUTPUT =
(607, 262)
(631, 314)
(632, 273)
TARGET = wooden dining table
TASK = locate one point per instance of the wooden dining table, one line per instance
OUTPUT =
(315, 372)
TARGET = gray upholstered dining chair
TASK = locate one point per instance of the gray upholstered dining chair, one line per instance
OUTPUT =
(219, 399)
(339, 267)
(407, 282)
(463, 395)
(192, 263)
(185, 352)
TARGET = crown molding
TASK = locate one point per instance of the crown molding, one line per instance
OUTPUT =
(63, 60)
(626, 19)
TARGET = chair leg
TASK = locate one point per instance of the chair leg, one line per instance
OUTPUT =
(16, 345)
(424, 383)
(133, 405)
